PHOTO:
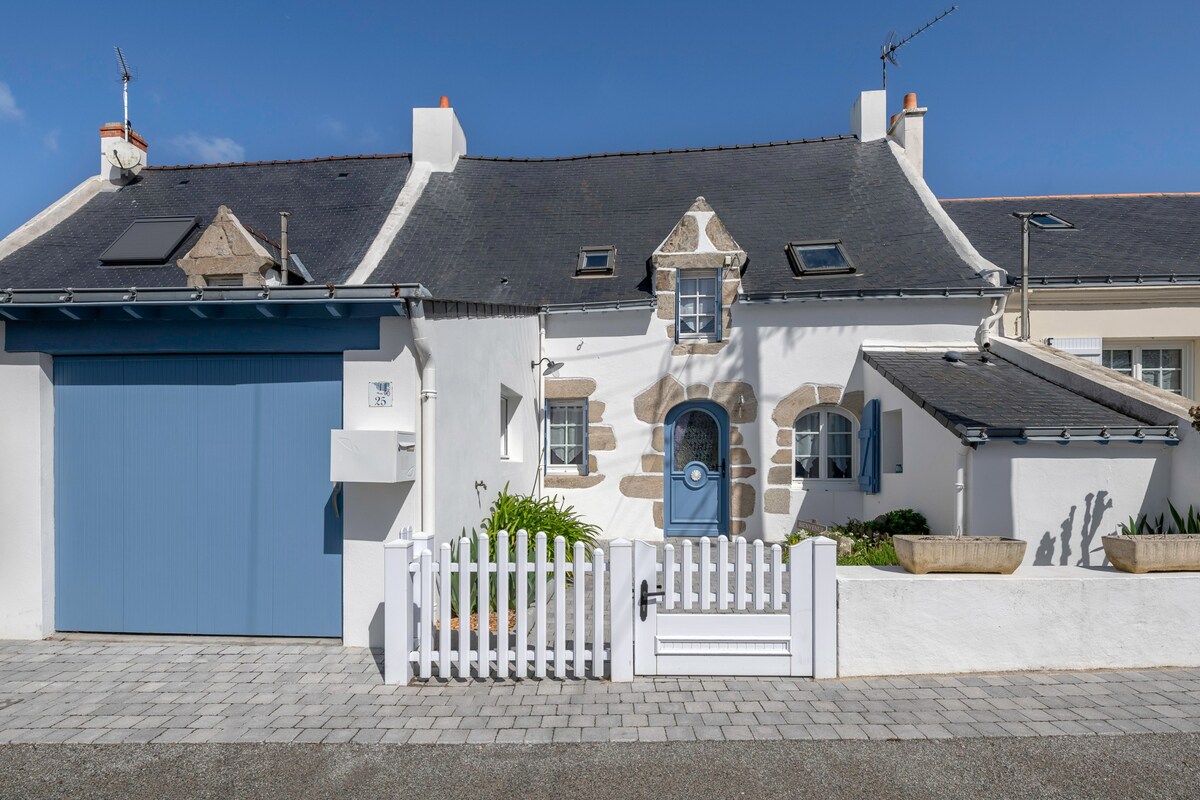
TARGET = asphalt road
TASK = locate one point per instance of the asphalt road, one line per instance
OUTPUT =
(1151, 766)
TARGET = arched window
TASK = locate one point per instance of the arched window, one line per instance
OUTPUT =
(823, 445)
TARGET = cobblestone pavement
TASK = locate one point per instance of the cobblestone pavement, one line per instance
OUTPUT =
(138, 691)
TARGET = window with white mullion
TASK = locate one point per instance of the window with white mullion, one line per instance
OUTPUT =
(823, 446)
(1157, 364)
(697, 307)
(566, 428)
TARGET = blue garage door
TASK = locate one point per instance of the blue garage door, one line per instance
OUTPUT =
(193, 495)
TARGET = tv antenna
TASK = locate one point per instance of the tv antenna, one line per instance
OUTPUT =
(887, 53)
(125, 79)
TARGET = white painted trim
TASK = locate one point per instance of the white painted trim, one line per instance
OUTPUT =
(64, 207)
(958, 240)
(414, 186)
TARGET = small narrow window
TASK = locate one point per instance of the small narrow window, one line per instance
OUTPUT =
(223, 280)
(566, 436)
(823, 447)
(594, 261)
(504, 421)
(818, 258)
(699, 310)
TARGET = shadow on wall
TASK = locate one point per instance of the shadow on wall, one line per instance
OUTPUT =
(1060, 549)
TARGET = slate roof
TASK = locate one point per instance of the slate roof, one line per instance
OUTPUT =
(997, 396)
(1117, 236)
(332, 222)
(510, 230)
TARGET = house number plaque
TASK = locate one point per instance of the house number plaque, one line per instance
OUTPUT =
(379, 394)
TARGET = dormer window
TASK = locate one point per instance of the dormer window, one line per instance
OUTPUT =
(596, 261)
(818, 258)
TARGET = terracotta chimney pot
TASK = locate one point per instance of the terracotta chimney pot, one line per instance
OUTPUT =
(445, 103)
(910, 100)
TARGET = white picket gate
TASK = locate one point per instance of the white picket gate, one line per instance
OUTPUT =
(756, 615)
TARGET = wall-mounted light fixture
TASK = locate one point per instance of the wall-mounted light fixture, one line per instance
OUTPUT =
(552, 366)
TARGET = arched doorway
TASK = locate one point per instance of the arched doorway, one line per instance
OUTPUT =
(696, 472)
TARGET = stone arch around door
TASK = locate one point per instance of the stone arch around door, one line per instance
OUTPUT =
(652, 405)
(777, 499)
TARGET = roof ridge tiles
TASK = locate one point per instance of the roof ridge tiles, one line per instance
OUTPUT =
(364, 157)
(1115, 195)
(670, 151)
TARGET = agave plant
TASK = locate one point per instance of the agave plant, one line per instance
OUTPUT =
(1188, 524)
(1142, 526)
(512, 513)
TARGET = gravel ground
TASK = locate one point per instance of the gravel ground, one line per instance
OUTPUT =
(1143, 766)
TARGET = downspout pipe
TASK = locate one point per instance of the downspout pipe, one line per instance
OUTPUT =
(961, 472)
(983, 335)
(421, 343)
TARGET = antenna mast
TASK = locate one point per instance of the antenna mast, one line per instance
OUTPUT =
(887, 53)
(125, 79)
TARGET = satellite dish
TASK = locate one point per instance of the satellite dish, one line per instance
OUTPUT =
(124, 155)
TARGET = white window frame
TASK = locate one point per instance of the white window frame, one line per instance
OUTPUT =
(697, 335)
(1138, 345)
(567, 469)
(823, 448)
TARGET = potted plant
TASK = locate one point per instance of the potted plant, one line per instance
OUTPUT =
(1142, 546)
(920, 553)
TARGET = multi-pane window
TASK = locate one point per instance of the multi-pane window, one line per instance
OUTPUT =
(1159, 366)
(566, 430)
(698, 307)
(823, 446)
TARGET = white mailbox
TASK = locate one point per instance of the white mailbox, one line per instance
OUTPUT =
(372, 456)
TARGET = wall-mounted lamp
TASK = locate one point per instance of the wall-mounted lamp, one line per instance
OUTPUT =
(552, 366)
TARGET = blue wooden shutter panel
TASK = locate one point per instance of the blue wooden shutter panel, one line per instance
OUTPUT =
(868, 439)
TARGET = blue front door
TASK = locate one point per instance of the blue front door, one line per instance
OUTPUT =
(193, 494)
(696, 501)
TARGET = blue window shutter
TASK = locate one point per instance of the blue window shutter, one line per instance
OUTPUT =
(677, 284)
(717, 306)
(586, 458)
(868, 448)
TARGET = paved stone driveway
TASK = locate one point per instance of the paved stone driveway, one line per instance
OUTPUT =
(148, 691)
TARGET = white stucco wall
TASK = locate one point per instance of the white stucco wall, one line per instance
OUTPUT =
(893, 623)
(1063, 499)
(26, 495)
(375, 512)
(931, 453)
(776, 348)
(475, 358)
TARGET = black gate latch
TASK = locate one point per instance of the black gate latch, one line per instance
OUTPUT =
(644, 598)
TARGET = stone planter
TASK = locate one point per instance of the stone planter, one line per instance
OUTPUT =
(1174, 552)
(990, 554)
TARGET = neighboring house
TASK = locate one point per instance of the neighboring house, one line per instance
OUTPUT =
(1121, 287)
(208, 428)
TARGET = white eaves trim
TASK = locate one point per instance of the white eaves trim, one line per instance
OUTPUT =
(67, 205)
(958, 240)
(414, 186)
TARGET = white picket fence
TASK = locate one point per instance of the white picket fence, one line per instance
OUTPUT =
(769, 616)
(433, 648)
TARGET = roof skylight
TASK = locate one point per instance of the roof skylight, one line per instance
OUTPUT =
(149, 240)
(1049, 221)
(596, 261)
(818, 258)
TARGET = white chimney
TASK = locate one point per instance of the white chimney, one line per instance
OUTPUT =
(120, 160)
(868, 118)
(908, 129)
(438, 139)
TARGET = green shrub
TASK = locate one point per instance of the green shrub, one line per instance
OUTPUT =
(902, 522)
(512, 513)
(881, 555)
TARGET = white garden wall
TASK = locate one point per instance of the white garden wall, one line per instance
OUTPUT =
(26, 495)
(1044, 618)
(776, 348)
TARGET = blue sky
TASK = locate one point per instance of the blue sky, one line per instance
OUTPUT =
(1024, 97)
